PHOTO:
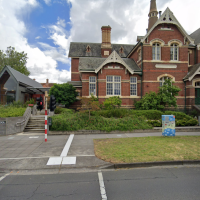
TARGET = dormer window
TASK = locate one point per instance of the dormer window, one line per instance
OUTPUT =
(121, 50)
(88, 49)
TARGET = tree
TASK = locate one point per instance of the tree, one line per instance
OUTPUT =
(89, 104)
(64, 93)
(112, 102)
(166, 96)
(14, 59)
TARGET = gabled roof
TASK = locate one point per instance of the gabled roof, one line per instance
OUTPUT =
(196, 36)
(169, 18)
(114, 57)
(78, 49)
(21, 78)
(194, 70)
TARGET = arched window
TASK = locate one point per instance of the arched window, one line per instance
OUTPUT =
(162, 80)
(174, 52)
(156, 51)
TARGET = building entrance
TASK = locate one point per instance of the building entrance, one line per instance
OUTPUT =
(197, 96)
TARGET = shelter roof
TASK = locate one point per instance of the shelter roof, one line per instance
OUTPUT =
(22, 78)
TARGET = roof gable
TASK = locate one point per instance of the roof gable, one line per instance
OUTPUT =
(114, 58)
(193, 71)
(196, 36)
(169, 18)
(19, 77)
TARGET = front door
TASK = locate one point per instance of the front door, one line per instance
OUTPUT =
(197, 96)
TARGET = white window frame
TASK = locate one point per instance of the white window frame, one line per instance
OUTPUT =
(133, 81)
(92, 83)
(174, 48)
(113, 82)
(162, 80)
(157, 47)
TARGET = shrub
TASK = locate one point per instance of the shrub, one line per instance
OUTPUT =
(158, 101)
(186, 122)
(80, 121)
(60, 110)
(155, 123)
(112, 102)
(11, 111)
(178, 115)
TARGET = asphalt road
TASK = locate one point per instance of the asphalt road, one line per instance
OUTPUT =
(133, 184)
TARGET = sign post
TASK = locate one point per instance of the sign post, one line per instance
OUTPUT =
(46, 95)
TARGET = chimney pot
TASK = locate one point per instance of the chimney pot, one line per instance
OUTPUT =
(47, 81)
(160, 13)
(34, 79)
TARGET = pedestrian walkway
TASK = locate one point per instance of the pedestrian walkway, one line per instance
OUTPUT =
(31, 152)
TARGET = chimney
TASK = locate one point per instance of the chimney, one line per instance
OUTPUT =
(160, 13)
(153, 14)
(106, 47)
(34, 79)
(47, 81)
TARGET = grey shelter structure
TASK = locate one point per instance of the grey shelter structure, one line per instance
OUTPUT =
(15, 86)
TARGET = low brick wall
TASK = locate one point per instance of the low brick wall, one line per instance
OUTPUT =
(13, 125)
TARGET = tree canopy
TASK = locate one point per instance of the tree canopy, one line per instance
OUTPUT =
(166, 96)
(64, 93)
(14, 59)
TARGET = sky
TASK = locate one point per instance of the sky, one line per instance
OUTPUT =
(44, 28)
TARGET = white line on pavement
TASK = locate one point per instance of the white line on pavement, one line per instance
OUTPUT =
(1, 178)
(23, 158)
(102, 186)
(67, 146)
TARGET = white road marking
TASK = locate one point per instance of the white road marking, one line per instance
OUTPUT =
(34, 137)
(63, 159)
(67, 146)
(23, 158)
(69, 161)
(10, 138)
(1, 178)
(54, 161)
(102, 186)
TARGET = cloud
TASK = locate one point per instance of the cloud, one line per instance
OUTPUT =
(128, 19)
(48, 2)
(38, 37)
(42, 64)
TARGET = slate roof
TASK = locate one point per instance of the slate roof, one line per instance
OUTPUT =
(23, 78)
(196, 35)
(192, 71)
(91, 63)
(78, 49)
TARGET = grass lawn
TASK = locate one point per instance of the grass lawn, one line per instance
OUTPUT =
(148, 149)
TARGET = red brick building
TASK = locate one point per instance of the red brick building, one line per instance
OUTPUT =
(129, 71)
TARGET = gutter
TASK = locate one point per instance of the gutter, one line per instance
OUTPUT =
(97, 85)
(185, 95)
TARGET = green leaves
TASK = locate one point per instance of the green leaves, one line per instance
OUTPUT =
(14, 59)
(112, 102)
(65, 93)
(158, 101)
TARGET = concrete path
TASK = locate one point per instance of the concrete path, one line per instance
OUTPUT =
(24, 152)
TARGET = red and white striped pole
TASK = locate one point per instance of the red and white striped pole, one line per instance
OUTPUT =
(46, 116)
(45, 125)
